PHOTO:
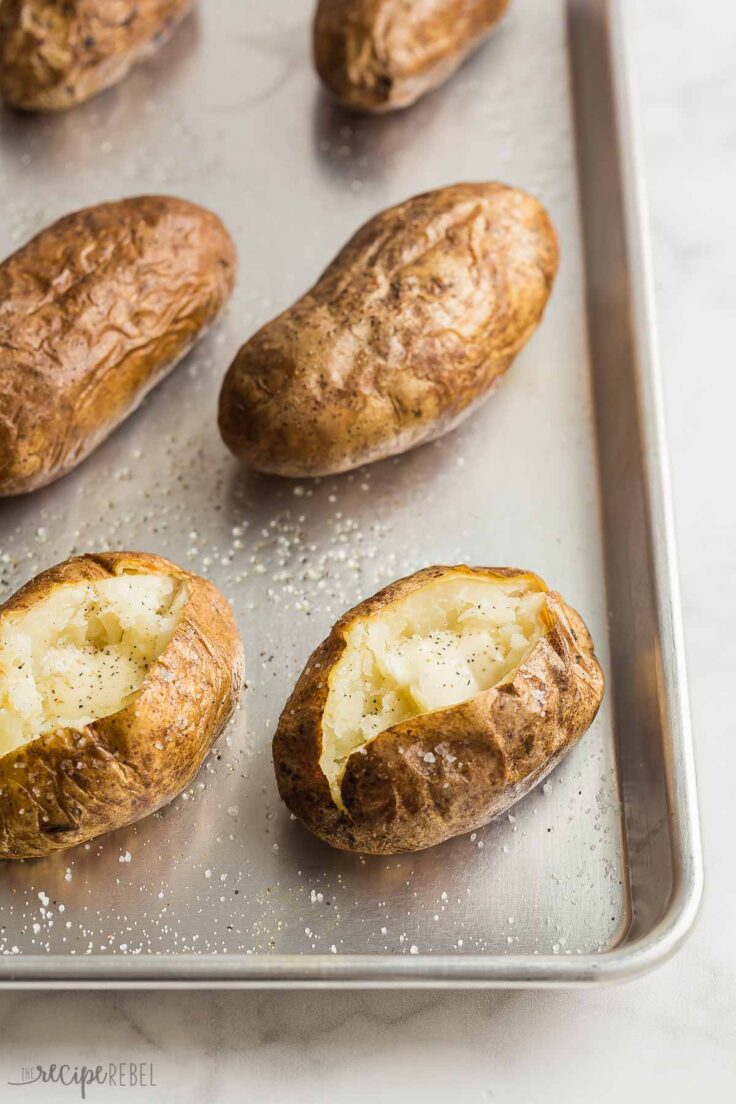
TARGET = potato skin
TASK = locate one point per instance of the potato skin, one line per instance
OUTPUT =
(378, 55)
(124, 767)
(502, 742)
(94, 312)
(400, 338)
(55, 54)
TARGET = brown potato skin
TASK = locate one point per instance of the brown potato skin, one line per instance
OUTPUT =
(111, 773)
(55, 54)
(401, 337)
(504, 741)
(379, 55)
(94, 312)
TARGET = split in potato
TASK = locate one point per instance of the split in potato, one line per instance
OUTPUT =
(55, 54)
(83, 652)
(96, 310)
(117, 674)
(434, 706)
(402, 336)
(378, 55)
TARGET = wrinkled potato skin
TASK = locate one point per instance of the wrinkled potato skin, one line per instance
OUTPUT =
(94, 312)
(504, 741)
(378, 55)
(70, 786)
(55, 54)
(400, 338)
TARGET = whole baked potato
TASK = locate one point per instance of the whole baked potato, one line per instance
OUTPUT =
(118, 672)
(401, 337)
(94, 312)
(377, 55)
(57, 53)
(433, 706)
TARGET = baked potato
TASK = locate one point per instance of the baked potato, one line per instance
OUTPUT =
(94, 312)
(433, 706)
(400, 338)
(57, 53)
(118, 672)
(378, 55)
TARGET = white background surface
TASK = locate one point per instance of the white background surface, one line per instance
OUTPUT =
(668, 1037)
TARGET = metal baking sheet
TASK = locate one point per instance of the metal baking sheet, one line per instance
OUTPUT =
(594, 876)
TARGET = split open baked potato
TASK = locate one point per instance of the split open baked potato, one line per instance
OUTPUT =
(118, 672)
(433, 706)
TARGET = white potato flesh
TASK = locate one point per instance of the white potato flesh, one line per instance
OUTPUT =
(82, 652)
(439, 646)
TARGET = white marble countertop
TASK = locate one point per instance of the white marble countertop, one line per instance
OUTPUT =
(670, 1036)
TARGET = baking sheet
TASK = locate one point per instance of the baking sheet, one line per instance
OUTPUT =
(223, 886)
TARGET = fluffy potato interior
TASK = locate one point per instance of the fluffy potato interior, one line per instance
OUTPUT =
(82, 652)
(437, 647)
